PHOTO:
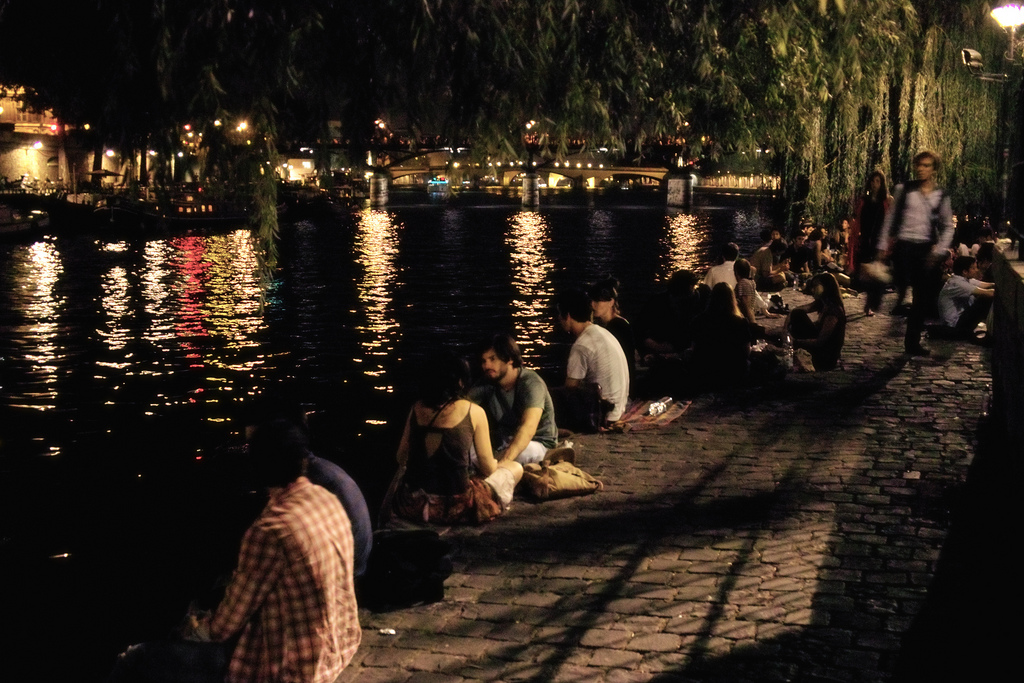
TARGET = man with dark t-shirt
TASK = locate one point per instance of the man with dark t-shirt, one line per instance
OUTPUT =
(518, 406)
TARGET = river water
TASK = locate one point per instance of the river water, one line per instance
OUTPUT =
(126, 360)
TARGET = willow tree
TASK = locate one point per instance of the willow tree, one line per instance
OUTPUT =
(838, 89)
(833, 88)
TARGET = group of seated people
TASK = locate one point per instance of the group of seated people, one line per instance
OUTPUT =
(709, 334)
(464, 445)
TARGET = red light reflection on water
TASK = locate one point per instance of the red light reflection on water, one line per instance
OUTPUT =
(190, 263)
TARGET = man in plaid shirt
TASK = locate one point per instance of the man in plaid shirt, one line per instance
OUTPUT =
(290, 603)
(291, 599)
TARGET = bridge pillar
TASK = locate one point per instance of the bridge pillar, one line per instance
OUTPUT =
(680, 191)
(379, 183)
(531, 189)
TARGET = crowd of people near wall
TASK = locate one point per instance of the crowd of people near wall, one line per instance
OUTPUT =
(289, 610)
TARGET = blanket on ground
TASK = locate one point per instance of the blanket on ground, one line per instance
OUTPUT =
(638, 414)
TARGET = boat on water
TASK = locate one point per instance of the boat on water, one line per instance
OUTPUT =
(184, 208)
(17, 222)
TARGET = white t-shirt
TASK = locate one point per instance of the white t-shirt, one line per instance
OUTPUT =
(597, 356)
(723, 272)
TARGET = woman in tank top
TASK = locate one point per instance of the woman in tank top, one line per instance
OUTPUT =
(447, 472)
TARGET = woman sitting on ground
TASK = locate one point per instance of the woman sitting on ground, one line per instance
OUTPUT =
(824, 337)
(720, 356)
(447, 473)
(604, 301)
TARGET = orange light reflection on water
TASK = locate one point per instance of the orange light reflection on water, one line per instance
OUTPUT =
(527, 239)
(376, 246)
(117, 307)
(42, 308)
(684, 234)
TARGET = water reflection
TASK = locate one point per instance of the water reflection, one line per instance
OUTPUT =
(156, 272)
(376, 247)
(684, 234)
(116, 307)
(41, 307)
(528, 239)
(193, 269)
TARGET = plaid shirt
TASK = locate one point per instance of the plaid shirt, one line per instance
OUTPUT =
(291, 598)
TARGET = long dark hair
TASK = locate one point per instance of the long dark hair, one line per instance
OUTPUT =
(722, 303)
(883, 191)
(606, 290)
(831, 297)
(442, 378)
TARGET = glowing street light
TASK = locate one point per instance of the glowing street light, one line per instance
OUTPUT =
(1009, 16)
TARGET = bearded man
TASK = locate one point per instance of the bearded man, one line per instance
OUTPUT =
(518, 406)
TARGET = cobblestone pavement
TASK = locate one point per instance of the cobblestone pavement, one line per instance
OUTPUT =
(784, 533)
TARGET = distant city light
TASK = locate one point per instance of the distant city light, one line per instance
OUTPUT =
(243, 125)
(110, 153)
(37, 145)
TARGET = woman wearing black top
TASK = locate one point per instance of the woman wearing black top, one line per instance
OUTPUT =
(604, 301)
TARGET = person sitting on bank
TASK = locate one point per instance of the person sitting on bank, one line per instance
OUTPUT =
(597, 363)
(320, 471)
(985, 257)
(604, 301)
(769, 273)
(720, 356)
(516, 401)
(447, 473)
(666, 320)
(964, 301)
(799, 256)
(289, 611)
(723, 271)
(747, 298)
(985, 236)
(824, 337)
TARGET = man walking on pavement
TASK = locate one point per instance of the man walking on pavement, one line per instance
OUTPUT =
(917, 233)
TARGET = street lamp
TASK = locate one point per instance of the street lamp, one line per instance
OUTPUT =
(1009, 17)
